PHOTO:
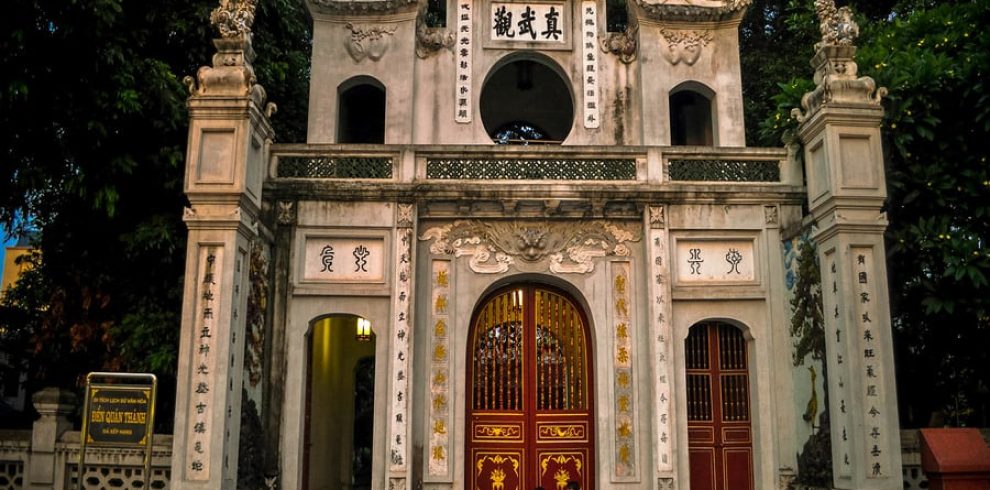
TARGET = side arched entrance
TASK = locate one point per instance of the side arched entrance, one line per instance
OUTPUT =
(529, 408)
(720, 436)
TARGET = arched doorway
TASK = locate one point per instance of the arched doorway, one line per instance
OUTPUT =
(720, 437)
(361, 111)
(527, 101)
(692, 120)
(340, 400)
(530, 404)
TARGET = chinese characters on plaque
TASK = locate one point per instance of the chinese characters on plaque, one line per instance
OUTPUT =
(528, 22)
(715, 261)
(345, 259)
(589, 57)
(660, 290)
(400, 345)
(204, 354)
(625, 445)
(871, 367)
(440, 419)
(462, 51)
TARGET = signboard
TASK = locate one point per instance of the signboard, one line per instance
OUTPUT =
(119, 412)
(529, 22)
(118, 415)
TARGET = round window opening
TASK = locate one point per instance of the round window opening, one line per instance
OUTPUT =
(526, 102)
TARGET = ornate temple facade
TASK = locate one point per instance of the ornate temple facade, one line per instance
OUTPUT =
(526, 245)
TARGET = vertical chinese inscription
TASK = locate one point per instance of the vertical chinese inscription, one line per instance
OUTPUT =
(833, 317)
(400, 344)
(589, 39)
(625, 441)
(204, 354)
(462, 49)
(868, 336)
(439, 392)
(660, 308)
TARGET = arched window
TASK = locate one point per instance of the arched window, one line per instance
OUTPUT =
(361, 111)
(526, 100)
(692, 116)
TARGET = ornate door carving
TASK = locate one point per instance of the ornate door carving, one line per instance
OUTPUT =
(530, 400)
(719, 434)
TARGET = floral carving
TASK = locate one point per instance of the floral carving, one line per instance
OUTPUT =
(565, 247)
(430, 40)
(684, 46)
(369, 41)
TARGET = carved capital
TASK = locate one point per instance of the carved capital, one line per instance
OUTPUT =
(405, 216)
(285, 212)
(231, 73)
(657, 217)
(838, 83)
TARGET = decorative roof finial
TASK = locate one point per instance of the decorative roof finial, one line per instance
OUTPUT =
(233, 18)
(837, 25)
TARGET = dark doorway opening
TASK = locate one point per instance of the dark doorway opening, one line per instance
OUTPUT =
(361, 111)
(691, 119)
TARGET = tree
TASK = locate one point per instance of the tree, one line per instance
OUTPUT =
(92, 133)
(933, 57)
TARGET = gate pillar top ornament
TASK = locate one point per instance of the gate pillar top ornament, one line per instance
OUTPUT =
(836, 79)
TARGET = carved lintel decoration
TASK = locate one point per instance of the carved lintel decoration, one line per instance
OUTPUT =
(694, 10)
(405, 216)
(622, 44)
(684, 46)
(562, 247)
(233, 18)
(657, 218)
(770, 214)
(430, 40)
(285, 212)
(368, 41)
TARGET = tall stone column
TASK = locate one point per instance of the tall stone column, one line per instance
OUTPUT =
(840, 131)
(228, 139)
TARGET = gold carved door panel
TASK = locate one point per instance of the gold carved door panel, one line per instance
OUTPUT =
(529, 407)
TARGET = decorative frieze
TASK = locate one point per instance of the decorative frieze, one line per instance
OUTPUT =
(530, 169)
(560, 246)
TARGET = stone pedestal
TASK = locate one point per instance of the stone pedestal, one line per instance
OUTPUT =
(54, 405)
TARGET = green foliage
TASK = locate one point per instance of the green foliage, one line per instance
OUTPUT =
(934, 58)
(92, 135)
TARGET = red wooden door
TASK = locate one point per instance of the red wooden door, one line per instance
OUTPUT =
(529, 408)
(719, 434)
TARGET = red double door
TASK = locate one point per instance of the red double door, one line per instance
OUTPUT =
(719, 433)
(530, 405)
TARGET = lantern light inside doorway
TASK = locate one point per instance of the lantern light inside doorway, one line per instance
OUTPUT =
(363, 330)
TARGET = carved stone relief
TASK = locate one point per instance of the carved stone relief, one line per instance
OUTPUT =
(622, 44)
(770, 213)
(684, 46)
(430, 40)
(562, 247)
(368, 41)
(285, 212)
(657, 219)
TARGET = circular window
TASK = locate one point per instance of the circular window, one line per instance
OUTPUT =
(526, 102)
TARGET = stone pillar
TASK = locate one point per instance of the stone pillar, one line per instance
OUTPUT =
(228, 140)
(840, 131)
(54, 405)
